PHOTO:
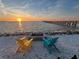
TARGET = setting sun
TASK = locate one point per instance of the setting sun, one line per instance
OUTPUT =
(20, 24)
(19, 19)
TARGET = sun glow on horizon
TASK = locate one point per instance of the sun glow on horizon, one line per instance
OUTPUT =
(19, 21)
(20, 24)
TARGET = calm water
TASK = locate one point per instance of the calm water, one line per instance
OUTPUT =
(28, 26)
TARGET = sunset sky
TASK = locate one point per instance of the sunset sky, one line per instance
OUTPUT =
(38, 9)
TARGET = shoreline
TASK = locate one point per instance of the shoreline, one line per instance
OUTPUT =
(39, 34)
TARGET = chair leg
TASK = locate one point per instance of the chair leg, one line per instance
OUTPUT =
(56, 48)
(18, 50)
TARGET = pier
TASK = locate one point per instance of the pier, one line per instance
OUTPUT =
(68, 24)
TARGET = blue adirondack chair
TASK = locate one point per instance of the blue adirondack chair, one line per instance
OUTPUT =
(48, 42)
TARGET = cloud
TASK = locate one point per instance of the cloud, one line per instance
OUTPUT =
(52, 11)
(39, 8)
(11, 11)
(76, 7)
(2, 7)
(49, 12)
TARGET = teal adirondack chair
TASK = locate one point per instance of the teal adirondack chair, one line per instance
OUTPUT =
(48, 42)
